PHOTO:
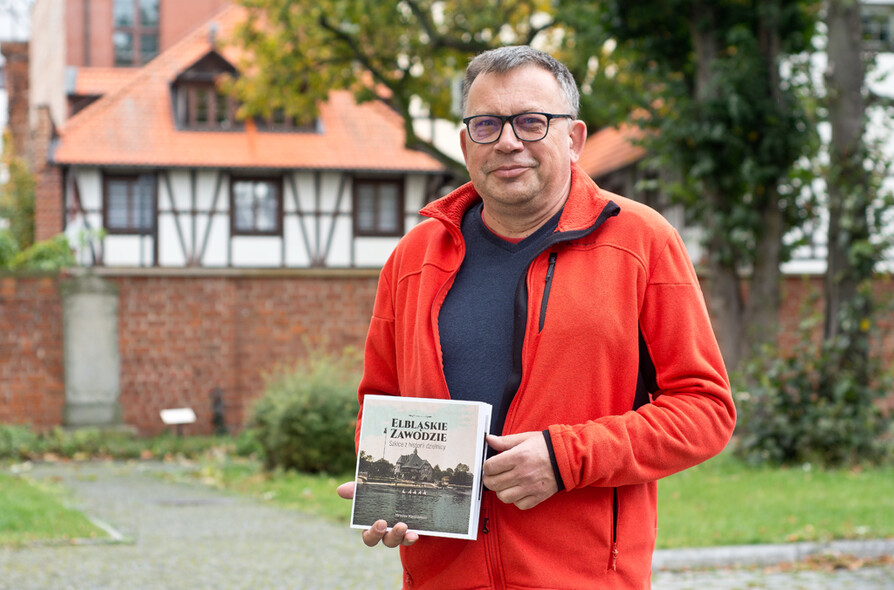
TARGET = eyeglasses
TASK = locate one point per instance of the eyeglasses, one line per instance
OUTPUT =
(526, 126)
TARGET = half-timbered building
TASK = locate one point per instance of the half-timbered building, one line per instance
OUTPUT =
(159, 172)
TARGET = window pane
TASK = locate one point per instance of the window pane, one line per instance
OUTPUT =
(144, 212)
(149, 13)
(256, 206)
(242, 202)
(118, 205)
(221, 107)
(148, 47)
(123, 48)
(267, 212)
(123, 13)
(279, 117)
(202, 97)
(366, 207)
(388, 208)
(130, 204)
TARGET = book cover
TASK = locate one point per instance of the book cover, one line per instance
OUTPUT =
(419, 462)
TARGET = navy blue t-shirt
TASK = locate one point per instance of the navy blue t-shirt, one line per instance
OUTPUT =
(476, 319)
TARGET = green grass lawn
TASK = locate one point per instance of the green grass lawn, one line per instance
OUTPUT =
(32, 513)
(723, 502)
(314, 494)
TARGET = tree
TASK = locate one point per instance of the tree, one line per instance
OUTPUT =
(848, 375)
(708, 77)
(17, 200)
(706, 72)
(851, 258)
(461, 476)
(819, 402)
(396, 51)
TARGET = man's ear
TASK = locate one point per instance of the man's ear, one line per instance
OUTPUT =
(578, 134)
(462, 144)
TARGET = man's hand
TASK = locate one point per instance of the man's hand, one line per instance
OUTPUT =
(521, 473)
(398, 535)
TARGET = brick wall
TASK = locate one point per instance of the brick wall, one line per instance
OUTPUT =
(804, 295)
(181, 337)
(32, 382)
(48, 207)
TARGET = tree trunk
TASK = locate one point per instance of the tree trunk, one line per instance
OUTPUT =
(725, 302)
(724, 291)
(761, 314)
(847, 184)
(762, 306)
(847, 310)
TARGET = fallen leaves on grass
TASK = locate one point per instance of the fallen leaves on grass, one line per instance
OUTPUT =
(833, 561)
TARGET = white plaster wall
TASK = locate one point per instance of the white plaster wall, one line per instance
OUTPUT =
(128, 250)
(257, 251)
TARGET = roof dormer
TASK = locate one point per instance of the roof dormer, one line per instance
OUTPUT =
(198, 102)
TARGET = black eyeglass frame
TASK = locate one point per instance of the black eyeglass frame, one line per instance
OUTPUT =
(511, 119)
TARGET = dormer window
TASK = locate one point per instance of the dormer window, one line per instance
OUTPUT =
(280, 121)
(198, 103)
(206, 107)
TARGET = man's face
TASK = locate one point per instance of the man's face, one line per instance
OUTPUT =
(529, 176)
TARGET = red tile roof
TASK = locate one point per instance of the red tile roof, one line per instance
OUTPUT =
(100, 81)
(610, 149)
(134, 125)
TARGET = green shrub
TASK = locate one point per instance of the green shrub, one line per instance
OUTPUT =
(21, 443)
(47, 255)
(17, 199)
(8, 248)
(306, 418)
(17, 443)
(795, 410)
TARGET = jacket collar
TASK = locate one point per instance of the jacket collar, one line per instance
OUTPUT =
(586, 208)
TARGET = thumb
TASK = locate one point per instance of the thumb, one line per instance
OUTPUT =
(504, 443)
(346, 490)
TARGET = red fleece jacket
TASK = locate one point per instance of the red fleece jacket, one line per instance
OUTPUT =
(621, 277)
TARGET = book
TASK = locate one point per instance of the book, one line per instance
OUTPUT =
(419, 462)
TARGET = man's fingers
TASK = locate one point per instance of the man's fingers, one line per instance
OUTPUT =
(346, 490)
(503, 443)
(375, 533)
(398, 535)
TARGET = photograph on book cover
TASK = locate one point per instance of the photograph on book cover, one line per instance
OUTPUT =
(419, 462)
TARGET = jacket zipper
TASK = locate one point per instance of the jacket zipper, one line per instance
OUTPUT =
(613, 558)
(492, 548)
(521, 307)
(547, 287)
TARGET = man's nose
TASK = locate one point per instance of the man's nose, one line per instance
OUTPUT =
(508, 140)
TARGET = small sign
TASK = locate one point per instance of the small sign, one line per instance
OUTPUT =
(178, 416)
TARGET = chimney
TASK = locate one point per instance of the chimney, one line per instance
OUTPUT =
(16, 82)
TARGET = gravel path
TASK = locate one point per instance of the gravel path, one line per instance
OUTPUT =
(187, 536)
(183, 536)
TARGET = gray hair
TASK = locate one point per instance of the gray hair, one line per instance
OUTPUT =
(506, 59)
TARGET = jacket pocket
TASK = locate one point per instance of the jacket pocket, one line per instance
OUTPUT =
(546, 288)
(613, 554)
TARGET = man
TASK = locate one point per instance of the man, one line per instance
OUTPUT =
(578, 315)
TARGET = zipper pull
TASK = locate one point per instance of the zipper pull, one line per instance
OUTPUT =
(613, 562)
(552, 265)
(547, 284)
(484, 527)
